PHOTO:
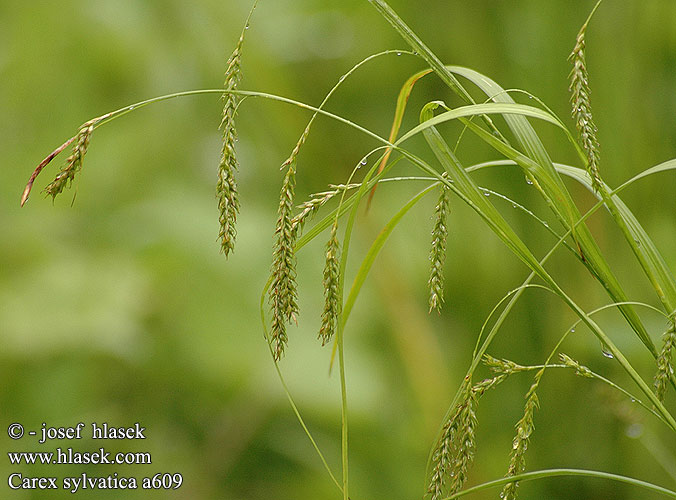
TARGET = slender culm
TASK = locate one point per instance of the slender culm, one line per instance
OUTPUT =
(664, 362)
(74, 162)
(283, 291)
(438, 251)
(226, 187)
(333, 303)
(581, 108)
(524, 429)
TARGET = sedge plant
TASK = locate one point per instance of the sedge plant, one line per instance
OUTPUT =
(514, 140)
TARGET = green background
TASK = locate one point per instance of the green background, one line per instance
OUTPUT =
(116, 306)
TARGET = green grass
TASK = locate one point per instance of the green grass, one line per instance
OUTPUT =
(506, 128)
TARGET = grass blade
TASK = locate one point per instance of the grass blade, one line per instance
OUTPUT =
(505, 109)
(402, 100)
(423, 51)
(645, 250)
(589, 250)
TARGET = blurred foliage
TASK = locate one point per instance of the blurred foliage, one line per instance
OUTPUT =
(119, 308)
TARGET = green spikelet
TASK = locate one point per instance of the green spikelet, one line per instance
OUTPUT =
(580, 369)
(74, 162)
(664, 362)
(466, 443)
(283, 294)
(581, 105)
(226, 186)
(310, 207)
(443, 455)
(524, 429)
(505, 366)
(454, 453)
(438, 252)
(332, 304)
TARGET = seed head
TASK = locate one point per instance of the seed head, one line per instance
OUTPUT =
(502, 365)
(524, 429)
(581, 108)
(226, 187)
(580, 369)
(283, 294)
(310, 207)
(333, 303)
(74, 162)
(438, 251)
(443, 457)
(664, 362)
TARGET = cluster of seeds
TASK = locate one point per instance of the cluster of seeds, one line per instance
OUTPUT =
(665, 368)
(454, 453)
(438, 251)
(74, 162)
(581, 108)
(226, 187)
(524, 429)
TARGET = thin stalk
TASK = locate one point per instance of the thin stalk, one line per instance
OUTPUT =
(344, 426)
(541, 474)
(105, 118)
(108, 117)
(598, 377)
(340, 336)
(571, 330)
(294, 407)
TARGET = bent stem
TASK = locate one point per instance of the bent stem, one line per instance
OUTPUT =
(542, 474)
(105, 118)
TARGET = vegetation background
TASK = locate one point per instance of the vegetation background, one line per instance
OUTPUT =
(119, 308)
